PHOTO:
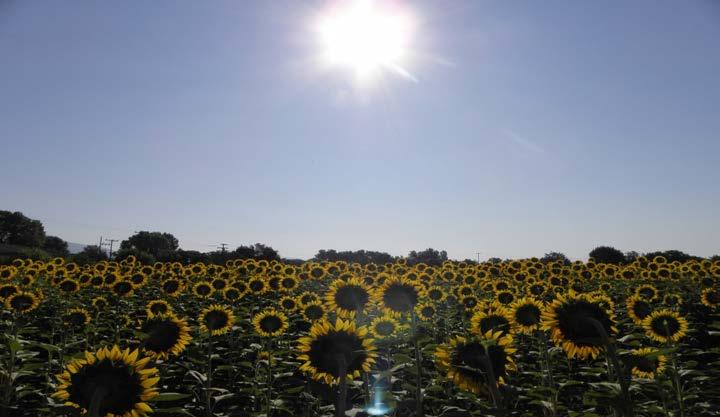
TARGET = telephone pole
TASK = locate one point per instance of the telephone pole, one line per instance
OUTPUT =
(112, 241)
(478, 255)
(223, 247)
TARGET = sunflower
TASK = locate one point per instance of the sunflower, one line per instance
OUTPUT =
(22, 302)
(435, 294)
(288, 303)
(203, 289)
(575, 322)
(69, 285)
(505, 297)
(330, 349)
(307, 297)
(638, 308)
(219, 284)
(425, 311)
(710, 297)
(172, 287)
(156, 307)
(646, 362)
(257, 285)
(672, 300)
(270, 323)
(496, 318)
(384, 326)
(469, 302)
(467, 361)
(525, 314)
(76, 317)
(114, 381)
(123, 288)
(216, 319)
(647, 292)
(313, 311)
(99, 303)
(232, 294)
(347, 297)
(288, 283)
(7, 290)
(665, 325)
(166, 335)
(398, 295)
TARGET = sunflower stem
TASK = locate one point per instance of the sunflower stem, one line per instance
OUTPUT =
(418, 368)
(676, 373)
(208, 380)
(269, 375)
(342, 387)
(495, 395)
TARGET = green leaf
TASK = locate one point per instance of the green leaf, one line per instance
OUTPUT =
(170, 396)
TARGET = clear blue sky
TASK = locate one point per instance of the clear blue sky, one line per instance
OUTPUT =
(533, 126)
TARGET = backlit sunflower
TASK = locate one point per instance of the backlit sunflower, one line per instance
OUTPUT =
(76, 317)
(331, 348)
(166, 335)
(710, 297)
(526, 313)
(578, 323)
(172, 287)
(384, 326)
(646, 362)
(467, 362)
(425, 311)
(69, 286)
(123, 288)
(22, 302)
(156, 307)
(117, 382)
(638, 308)
(270, 323)
(203, 289)
(216, 319)
(347, 297)
(495, 318)
(665, 325)
(398, 295)
(313, 311)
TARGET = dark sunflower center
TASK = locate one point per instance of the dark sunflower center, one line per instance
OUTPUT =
(215, 320)
(494, 323)
(123, 288)
(288, 283)
(400, 297)
(270, 324)
(528, 315)
(7, 290)
(162, 335)
(203, 289)
(647, 292)
(434, 294)
(713, 297)
(666, 326)
(351, 297)
(96, 281)
(645, 364)
(641, 309)
(537, 289)
(256, 286)
(68, 286)
(427, 311)
(506, 297)
(385, 328)
(75, 319)
(121, 388)
(232, 294)
(219, 284)
(21, 302)
(469, 302)
(159, 308)
(314, 312)
(575, 322)
(288, 304)
(328, 351)
(171, 286)
(471, 360)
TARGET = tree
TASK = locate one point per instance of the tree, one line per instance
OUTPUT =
(429, 256)
(16, 229)
(672, 255)
(56, 246)
(156, 244)
(361, 256)
(90, 254)
(257, 251)
(555, 257)
(607, 255)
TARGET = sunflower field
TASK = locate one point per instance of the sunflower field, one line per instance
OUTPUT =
(258, 338)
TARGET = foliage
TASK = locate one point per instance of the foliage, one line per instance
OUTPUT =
(607, 255)
(56, 246)
(16, 229)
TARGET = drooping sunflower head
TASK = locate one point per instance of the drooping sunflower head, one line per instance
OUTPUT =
(347, 297)
(216, 319)
(579, 323)
(710, 297)
(166, 335)
(385, 326)
(470, 362)
(638, 308)
(76, 317)
(398, 295)
(22, 302)
(665, 326)
(495, 318)
(119, 380)
(526, 313)
(156, 307)
(646, 362)
(335, 350)
(270, 323)
(313, 311)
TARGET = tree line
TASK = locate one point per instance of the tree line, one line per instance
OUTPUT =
(22, 237)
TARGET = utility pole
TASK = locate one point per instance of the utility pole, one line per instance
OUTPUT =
(478, 255)
(223, 247)
(112, 241)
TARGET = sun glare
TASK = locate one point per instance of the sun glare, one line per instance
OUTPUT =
(366, 37)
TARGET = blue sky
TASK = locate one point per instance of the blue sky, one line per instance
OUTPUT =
(533, 126)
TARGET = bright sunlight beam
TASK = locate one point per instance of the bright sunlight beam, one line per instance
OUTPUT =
(366, 37)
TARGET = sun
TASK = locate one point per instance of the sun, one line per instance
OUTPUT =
(366, 37)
